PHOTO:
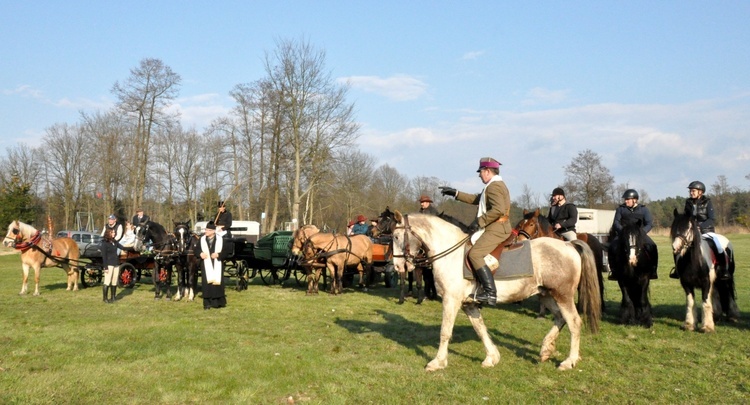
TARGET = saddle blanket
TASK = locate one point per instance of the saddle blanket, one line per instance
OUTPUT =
(514, 263)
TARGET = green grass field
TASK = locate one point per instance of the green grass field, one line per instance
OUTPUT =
(273, 343)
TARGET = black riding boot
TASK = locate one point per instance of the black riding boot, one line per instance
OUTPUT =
(653, 275)
(112, 293)
(489, 295)
(104, 293)
(722, 271)
(674, 273)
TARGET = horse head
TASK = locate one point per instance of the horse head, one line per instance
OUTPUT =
(528, 227)
(300, 236)
(631, 241)
(182, 234)
(153, 232)
(386, 223)
(18, 232)
(684, 233)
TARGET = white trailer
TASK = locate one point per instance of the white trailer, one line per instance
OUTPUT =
(595, 222)
(249, 230)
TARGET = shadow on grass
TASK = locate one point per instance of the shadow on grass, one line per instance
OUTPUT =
(415, 336)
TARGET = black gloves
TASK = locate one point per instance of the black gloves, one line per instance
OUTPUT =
(448, 191)
(474, 226)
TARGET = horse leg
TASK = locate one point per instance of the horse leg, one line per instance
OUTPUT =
(691, 314)
(708, 310)
(475, 316)
(549, 341)
(169, 282)
(451, 305)
(645, 317)
(37, 272)
(627, 309)
(565, 313)
(180, 283)
(155, 274)
(25, 282)
(420, 289)
(402, 294)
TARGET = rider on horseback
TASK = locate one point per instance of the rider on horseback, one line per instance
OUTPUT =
(563, 215)
(492, 219)
(631, 212)
(700, 207)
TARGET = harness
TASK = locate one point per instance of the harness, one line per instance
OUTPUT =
(426, 259)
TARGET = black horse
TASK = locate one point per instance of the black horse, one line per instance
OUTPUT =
(633, 263)
(186, 262)
(165, 254)
(695, 263)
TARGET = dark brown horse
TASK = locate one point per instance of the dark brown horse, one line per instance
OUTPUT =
(39, 251)
(534, 226)
(384, 229)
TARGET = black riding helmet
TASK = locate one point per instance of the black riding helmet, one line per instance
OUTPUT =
(630, 193)
(697, 185)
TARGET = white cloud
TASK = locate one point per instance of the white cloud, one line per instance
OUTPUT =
(471, 55)
(398, 87)
(540, 95)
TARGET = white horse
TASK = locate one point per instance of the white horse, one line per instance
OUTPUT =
(39, 251)
(558, 268)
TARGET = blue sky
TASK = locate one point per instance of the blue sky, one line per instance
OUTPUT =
(660, 90)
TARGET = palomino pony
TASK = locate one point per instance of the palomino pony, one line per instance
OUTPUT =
(165, 250)
(186, 262)
(338, 252)
(39, 251)
(534, 226)
(695, 263)
(559, 267)
(633, 265)
(313, 267)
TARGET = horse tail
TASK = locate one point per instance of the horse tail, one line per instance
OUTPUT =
(588, 293)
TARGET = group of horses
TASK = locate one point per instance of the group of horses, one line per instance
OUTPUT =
(561, 271)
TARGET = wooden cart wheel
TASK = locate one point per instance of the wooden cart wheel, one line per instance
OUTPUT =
(127, 275)
(90, 277)
(241, 275)
(270, 276)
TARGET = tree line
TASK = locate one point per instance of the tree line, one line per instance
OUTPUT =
(285, 155)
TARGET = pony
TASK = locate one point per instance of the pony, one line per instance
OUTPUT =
(165, 253)
(633, 264)
(39, 251)
(313, 267)
(534, 226)
(558, 268)
(384, 228)
(338, 252)
(695, 263)
(186, 263)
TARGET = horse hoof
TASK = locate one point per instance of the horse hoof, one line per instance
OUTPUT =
(687, 327)
(708, 330)
(566, 365)
(434, 365)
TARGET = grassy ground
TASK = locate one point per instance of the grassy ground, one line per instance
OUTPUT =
(273, 343)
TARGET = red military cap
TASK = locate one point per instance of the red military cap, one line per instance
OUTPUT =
(488, 162)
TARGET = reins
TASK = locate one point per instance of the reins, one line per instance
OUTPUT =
(427, 259)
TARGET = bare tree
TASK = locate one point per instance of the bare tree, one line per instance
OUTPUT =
(587, 181)
(145, 96)
(722, 196)
(317, 118)
(428, 186)
(529, 199)
(65, 162)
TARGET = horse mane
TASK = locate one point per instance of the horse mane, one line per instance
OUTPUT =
(633, 228)
(454, 221)
(544, 224)
(25, 229)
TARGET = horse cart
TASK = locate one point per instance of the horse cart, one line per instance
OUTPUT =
(133, 265)
(271, 259)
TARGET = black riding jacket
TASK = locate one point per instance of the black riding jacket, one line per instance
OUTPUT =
(565, 215)
(703, 210)
(625, 215)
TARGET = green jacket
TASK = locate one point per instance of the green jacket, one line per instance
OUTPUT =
(497, 200)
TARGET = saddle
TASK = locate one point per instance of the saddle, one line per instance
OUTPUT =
(508, 260)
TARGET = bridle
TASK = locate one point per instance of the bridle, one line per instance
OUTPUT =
(685, 239)
(522, 232)
(421, 260)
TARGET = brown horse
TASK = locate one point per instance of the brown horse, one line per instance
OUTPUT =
(39, 251)
(338, 252)
(313, 268)
(534, 226)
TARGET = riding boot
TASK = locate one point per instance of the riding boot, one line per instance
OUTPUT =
(653, 275)
(722, 272)
(113, 293)
(674, 273)
(104, 293)
(489, 295)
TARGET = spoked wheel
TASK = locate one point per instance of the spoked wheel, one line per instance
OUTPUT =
(270, 276)
(127, 275)
(301, 277)
(90, 276)
(241, 276)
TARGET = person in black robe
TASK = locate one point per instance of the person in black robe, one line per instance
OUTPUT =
(211, 246)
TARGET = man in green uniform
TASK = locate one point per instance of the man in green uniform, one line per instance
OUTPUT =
(492, 223)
